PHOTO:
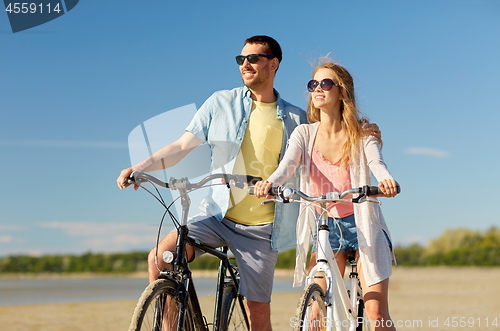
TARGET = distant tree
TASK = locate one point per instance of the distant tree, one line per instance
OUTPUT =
(286, 259)
(456, 247)
(410, 255)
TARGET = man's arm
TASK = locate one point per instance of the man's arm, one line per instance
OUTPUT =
(166, 157)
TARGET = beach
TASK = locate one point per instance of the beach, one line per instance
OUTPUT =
(434, 298)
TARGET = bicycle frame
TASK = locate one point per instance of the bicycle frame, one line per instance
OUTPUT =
(339, 306)
(182, 273)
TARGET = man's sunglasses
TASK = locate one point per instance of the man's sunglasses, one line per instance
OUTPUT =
(326, 84)
(252, 58)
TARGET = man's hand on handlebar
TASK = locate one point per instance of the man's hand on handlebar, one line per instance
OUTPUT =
(373, 129)
(262, 188)
(124, 175)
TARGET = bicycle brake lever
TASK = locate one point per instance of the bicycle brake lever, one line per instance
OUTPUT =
(271, 200)
(370, 200)
(275, 200)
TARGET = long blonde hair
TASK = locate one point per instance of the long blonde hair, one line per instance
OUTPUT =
(350, 115)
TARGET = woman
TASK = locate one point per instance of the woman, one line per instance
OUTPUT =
(335, 154)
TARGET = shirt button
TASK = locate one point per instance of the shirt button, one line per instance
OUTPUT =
(239, 138)
(244, 121)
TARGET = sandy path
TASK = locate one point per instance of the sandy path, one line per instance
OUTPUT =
(418, 296)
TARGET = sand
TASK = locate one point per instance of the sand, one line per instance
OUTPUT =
(420, 299)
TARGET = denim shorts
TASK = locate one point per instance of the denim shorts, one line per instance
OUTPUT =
(349, 241)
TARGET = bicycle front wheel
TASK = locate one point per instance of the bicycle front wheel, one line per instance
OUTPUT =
(361, 309)
(311, 311)
(234, 315)
(158, 309)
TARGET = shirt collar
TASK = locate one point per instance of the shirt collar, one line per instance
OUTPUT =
(279, 101)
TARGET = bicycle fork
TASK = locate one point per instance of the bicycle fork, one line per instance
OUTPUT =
(339, 307)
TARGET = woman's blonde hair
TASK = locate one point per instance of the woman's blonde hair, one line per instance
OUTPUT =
(350, 115)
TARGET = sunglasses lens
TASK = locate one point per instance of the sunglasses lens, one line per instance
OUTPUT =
(327, 84)
(311, 86)
(253, 58)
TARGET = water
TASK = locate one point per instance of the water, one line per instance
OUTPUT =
(58, 290)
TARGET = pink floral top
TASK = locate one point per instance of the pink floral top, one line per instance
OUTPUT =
(327, 177)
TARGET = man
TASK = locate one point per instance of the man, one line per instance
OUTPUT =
(256, 120)
(259, 122)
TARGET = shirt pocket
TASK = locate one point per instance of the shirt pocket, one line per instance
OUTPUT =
(272, 139)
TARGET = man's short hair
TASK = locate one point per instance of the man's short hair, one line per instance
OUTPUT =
(273, 47)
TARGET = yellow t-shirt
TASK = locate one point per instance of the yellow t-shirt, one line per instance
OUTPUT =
(258, 156)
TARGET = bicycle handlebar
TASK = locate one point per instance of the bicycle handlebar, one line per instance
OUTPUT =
(235, 180)
(286, 193)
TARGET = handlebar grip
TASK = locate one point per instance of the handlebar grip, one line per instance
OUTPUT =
(272, 191)
(252, 180)
(140, 177)
(375, 190)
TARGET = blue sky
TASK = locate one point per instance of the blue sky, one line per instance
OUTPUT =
(73, 89)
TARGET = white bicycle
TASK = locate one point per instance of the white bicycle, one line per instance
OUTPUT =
(337, 309)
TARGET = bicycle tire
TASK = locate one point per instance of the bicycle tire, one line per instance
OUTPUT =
(312, 297)
(361, 309)
(234, 316)
(160, 293)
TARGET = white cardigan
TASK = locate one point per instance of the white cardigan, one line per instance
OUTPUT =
(375, 254)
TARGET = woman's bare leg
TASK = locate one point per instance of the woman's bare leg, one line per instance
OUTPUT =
(376, 301)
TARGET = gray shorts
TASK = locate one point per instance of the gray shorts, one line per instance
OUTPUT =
(251, 246)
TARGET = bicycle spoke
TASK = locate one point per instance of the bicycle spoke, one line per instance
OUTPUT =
(157, 309)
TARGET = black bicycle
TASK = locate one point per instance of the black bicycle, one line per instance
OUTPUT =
(171, 302)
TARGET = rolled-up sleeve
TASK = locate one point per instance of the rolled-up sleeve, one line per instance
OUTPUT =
(201, 121)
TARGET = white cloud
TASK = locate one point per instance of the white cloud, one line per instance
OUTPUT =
(63, 143)
(109, 236)
(123, 240)
(427, 151)
(11, 227)
(5, 239)
(82, 229)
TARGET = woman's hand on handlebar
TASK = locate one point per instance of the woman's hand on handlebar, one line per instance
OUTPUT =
(124, 175)
(389, 187)
(262, 188)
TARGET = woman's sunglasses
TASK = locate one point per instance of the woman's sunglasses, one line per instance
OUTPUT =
(326, 84)
(252, 58)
